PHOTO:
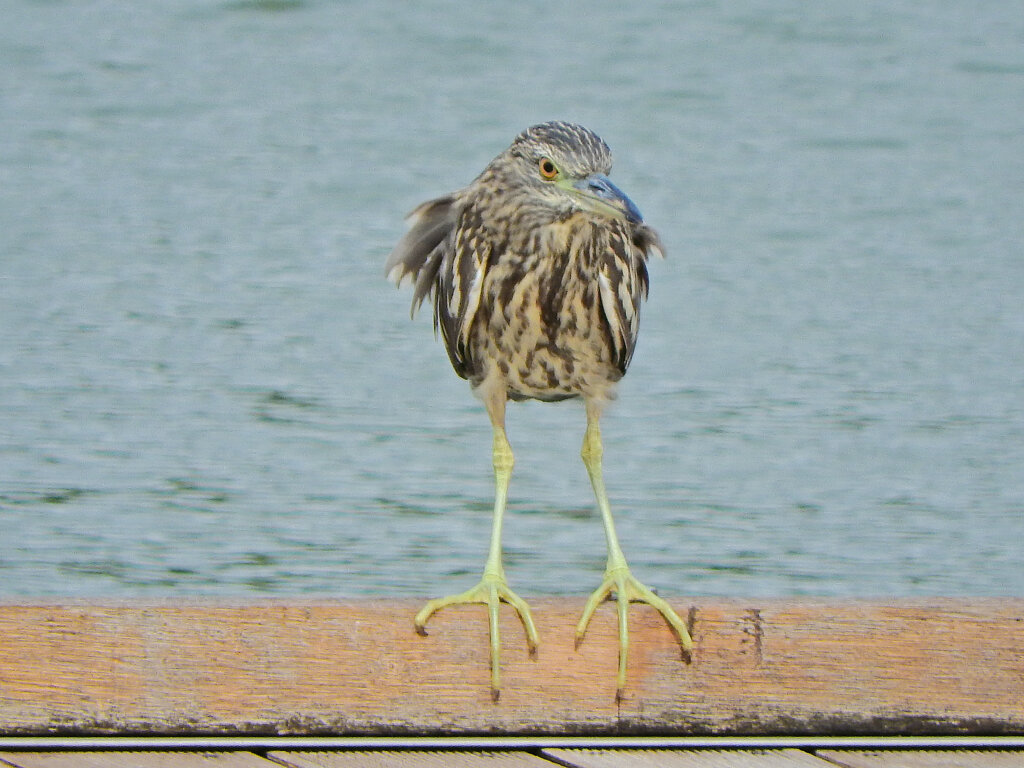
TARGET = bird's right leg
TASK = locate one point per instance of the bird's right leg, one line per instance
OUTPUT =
(617, 576)
(492, 589)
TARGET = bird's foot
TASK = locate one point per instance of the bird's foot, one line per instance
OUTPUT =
(627, 589)
(491, 591)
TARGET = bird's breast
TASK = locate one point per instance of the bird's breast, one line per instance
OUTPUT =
(540, 326)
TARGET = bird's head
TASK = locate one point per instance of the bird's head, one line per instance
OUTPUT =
(560, 169)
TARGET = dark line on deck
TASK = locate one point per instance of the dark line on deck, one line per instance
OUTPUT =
(756, 631)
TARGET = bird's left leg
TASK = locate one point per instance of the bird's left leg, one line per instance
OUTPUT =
(493, 589)
(617, 576)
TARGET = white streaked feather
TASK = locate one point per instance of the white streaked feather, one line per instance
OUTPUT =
(472, 301)
(611, 312)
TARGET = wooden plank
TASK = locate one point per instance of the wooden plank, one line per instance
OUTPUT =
(119, 759)
(358, 668)
(685, 758)
(409, 758)
(946, 758)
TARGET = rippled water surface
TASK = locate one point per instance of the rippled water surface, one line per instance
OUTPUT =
(206, 387)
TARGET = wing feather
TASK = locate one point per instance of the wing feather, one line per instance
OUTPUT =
(461, 281)
(445, 257)
(623, 283)
(420, 253)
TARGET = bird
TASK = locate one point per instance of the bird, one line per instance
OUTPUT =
(536, 271)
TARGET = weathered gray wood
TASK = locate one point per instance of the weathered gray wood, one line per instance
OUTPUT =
(358, 668)
(685, 758)
(894, 758)
(82, 759)
(410, 759)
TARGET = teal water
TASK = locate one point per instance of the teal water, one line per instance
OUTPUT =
(206, 387)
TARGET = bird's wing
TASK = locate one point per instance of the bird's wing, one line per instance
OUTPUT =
(623, 284)
(421, 252)
(461, 280)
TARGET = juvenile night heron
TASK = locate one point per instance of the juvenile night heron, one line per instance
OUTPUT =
(536, 271)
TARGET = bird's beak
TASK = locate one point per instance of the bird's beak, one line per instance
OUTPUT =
(603, 197)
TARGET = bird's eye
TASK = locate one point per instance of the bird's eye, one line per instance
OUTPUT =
(547, 168)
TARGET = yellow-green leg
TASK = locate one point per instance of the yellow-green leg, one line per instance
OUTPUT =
(492, 589)
(617, 576)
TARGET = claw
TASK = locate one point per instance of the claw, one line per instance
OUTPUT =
(491, 591)
(628, 590)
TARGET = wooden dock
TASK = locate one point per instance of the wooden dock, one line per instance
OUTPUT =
(545, 758)
(316, 683)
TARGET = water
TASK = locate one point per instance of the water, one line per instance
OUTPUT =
(207, 388)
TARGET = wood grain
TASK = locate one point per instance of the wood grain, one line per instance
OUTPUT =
(758, 667)
(84, 759)
(947, 758)
(411, 758)
(685, 758)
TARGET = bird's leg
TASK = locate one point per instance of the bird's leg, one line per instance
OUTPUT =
(492, 589)
(617, 576)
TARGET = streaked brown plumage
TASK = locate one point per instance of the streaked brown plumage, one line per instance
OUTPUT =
(537, 270)
(536, 292)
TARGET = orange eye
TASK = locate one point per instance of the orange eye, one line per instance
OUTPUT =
(547, 169)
